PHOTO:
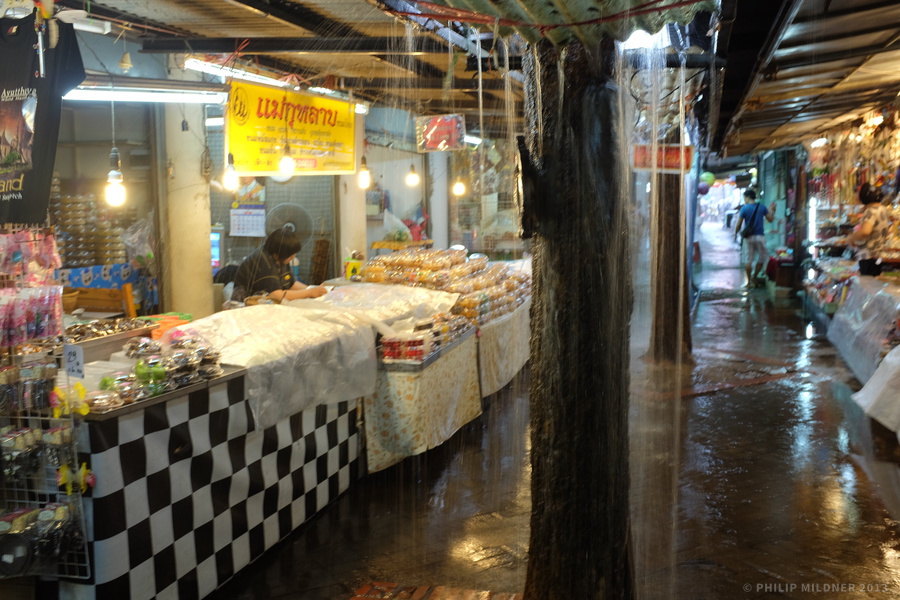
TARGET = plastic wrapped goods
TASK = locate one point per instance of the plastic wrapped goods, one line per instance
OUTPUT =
(294, 362)
(861, 328)
(878, 398)
(386, 303)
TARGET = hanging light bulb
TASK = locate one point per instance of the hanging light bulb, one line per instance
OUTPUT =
(125, 62)
(412, 178)
(287, 164)
(459, 188)
(115, 191)
(365, 175)
(230, 179)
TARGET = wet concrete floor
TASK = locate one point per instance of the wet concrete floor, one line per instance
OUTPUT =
(761, 481)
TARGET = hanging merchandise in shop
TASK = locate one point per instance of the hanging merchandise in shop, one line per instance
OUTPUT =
(32, 83)
(263, 123)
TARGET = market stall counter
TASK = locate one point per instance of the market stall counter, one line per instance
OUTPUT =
(865, 327)
(190, 490)
(418, 407)
(504, 346)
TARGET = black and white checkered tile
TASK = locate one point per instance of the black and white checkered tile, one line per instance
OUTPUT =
(188, 492)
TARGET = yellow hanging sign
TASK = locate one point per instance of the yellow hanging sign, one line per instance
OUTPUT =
(260, 122)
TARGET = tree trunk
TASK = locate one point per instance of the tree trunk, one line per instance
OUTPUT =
(578, 215)
(670, 335)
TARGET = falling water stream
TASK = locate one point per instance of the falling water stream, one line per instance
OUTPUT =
(459, 515)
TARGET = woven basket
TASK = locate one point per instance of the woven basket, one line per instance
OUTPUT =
(70, 301)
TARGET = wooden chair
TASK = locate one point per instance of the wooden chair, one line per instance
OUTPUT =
(99, 299)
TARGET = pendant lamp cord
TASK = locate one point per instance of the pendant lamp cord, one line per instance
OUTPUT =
(112, 104)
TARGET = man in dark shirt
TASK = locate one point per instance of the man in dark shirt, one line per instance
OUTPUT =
(266, 270)
(753, 246)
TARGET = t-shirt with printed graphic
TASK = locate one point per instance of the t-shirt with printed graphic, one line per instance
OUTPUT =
(875, 243)
(30, 108)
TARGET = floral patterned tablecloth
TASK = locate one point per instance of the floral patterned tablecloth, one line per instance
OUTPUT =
(503, 349)
(414, 412)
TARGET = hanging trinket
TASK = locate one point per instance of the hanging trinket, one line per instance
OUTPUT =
(40, 28)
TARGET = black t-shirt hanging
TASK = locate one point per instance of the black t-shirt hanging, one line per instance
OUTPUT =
(30, 108)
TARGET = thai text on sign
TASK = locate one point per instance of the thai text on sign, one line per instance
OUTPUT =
(261, 122)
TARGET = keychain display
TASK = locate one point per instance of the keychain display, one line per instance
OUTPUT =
(28, 314)
(33, 540)
(20, 454)
(32, 255)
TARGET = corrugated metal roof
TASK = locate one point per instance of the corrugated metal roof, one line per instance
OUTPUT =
(242, 19)
(207, 18)
(540, 14)
(836, 60)
(364, 16)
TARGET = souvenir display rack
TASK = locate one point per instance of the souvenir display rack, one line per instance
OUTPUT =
(41, 482)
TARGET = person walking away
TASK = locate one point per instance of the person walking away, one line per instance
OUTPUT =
(871, 235)
(750, 227)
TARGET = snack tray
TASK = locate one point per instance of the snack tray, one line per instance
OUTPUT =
(102, 348)
(410, 366)
(229, 372)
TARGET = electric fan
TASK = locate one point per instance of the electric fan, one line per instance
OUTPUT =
(293, 217)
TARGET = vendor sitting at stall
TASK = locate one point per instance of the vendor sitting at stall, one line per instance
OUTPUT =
(871, 235)
(266, 270)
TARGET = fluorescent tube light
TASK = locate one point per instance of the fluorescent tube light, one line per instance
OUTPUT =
(819, 143)
(471, 139)
(109, 95)
(215, 121)
(93, 26)
(224, 71)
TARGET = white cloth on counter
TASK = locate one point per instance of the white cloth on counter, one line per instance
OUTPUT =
(879, 398)
(385, 303)
(295, 359)
(316, 351)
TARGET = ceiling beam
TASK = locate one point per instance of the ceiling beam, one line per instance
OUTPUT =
(487, 63)
(638, 60)
(827, 57)
(421, 83)
(295, 45)
(812, 37)
(297, 15)
(473, 105)
(834, 14)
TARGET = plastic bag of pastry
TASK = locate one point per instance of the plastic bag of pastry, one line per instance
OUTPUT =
(185, 378)
(210, 371)
(103, 401)
(180, 359)
(142, 347)
(180, 339)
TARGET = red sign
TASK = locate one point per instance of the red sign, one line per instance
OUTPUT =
(441, 132)
(668, 158)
